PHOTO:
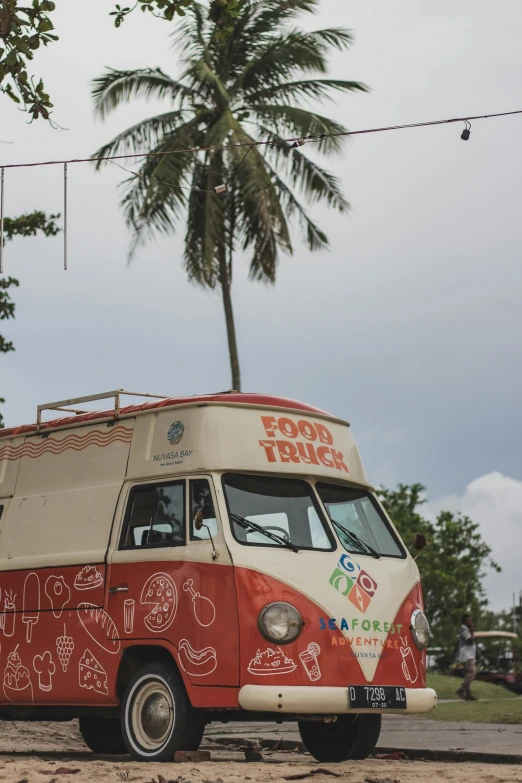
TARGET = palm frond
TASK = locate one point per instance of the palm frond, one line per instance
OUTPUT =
(267, 15)
(309, 88)
(115, 87)
(284, 120)
(315, 237)
(205, 218)
(316, 183)
(143, 136)
(156, 195)
(263, 223)
(189, 37)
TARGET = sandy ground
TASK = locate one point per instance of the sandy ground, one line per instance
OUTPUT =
(33, 752)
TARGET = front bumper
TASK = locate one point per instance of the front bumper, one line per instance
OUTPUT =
(308, 700)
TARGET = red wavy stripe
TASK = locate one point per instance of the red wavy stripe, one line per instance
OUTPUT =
(94, 437)
(71, 442)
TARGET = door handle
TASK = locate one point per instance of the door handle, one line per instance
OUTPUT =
(118, 589)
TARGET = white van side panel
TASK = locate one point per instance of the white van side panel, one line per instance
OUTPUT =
(58, 529)
(10, 452)
(69, 459)
(65, 496)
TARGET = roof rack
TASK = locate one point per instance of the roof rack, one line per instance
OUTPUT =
(64, 405)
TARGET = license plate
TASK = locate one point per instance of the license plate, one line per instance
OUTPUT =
(377, 697)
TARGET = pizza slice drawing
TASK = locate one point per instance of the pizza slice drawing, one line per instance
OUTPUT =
(159, 592)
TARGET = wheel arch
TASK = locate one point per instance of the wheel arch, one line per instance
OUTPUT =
(137, 655)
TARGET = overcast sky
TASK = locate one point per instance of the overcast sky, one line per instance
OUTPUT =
(410, 327)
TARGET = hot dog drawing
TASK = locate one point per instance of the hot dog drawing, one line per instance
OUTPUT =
(197, 663)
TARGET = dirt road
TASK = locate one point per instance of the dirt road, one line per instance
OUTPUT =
(33, 752)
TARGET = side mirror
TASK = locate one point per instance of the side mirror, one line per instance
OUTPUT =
(198, 520)
(419, 542)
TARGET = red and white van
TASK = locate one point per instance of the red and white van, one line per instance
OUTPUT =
(200, 559)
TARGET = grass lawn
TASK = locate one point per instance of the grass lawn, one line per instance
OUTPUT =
(480, 712)
(446, 687)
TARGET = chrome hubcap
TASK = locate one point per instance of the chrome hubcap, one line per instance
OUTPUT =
(153, 715)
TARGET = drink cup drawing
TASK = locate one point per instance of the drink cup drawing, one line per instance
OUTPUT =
(309, 660)
(409, 667)
(8, 616)
(128, 614)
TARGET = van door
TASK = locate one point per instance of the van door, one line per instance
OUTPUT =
(166, 584)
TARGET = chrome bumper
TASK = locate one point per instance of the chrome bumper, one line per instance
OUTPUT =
(322, 700)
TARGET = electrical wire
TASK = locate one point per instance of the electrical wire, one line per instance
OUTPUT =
(315, 138)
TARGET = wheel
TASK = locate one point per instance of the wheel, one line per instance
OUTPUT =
(103, 735)
(157, 718)
(350, 737)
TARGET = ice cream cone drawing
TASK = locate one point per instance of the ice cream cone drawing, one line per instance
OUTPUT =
(409, 667)
(17, 680)
(204, 609)
(309, 660)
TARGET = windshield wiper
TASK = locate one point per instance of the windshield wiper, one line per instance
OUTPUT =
(246, 523)
(357, 540)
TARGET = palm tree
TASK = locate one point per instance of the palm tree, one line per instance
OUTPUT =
(242, 81)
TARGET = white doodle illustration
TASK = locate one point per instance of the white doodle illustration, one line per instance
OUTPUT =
(8, 615)
(100, 627)
(197, 663)
(128, 614)
(271, 662)
(204, 609)
(45, 668)
(17, 680)
(160, 592)
(409, 667)
(58, 592)
(64, 648)
(309, 660)
(92, 674)
(31, 605)
(88, 578)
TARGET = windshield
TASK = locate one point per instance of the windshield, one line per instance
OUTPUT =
(284, 507)
(358, 512)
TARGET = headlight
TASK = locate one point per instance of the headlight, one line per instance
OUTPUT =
(420, 629)
(280, 623)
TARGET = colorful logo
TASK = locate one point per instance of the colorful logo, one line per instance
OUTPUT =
(357, 585)
(175, 433)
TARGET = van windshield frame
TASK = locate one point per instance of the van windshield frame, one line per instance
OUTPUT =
(292, 502)
(376, 532)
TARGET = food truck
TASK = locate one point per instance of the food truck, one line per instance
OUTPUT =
(186, 560)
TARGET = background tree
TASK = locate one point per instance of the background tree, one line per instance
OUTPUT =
(25, 28)
(25, 226)
(453, 566)
(245, 76)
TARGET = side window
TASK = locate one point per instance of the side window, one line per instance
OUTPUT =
(201, 500)
(155, 516)
(1, 511)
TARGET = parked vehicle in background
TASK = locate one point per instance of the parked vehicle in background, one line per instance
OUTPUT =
(496, 660)
(201, 559)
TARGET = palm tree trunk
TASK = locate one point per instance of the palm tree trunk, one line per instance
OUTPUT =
(229, 318)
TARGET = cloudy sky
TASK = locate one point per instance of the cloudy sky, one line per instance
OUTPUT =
(410, 327)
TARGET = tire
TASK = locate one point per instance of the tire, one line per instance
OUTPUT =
(157, 718)
(103, 735)
(350, 737)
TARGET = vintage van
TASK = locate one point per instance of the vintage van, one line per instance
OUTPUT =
(201, 559)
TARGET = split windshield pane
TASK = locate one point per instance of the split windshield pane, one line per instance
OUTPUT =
(285, 507)
(356, 510)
